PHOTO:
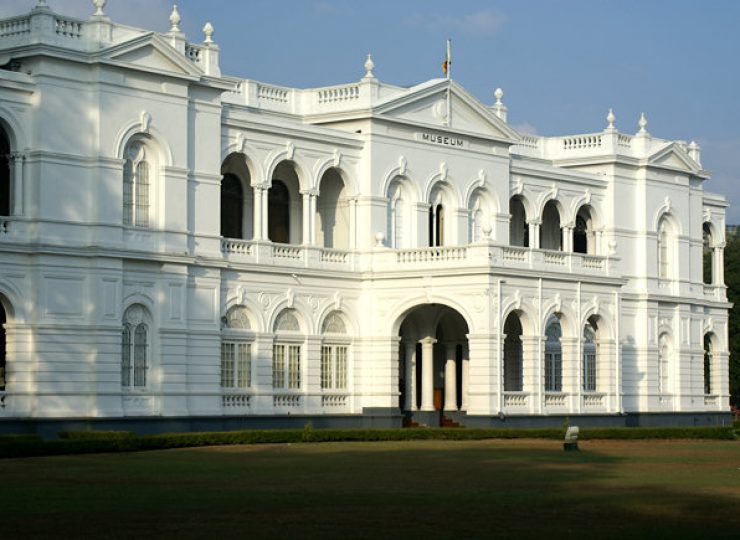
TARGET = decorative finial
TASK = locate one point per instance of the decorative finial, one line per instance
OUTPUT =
(208, 32)
(99, 5)
(695, 152)
(498, 94)
(42, 4)
(369, 67)
(175, 19)
(642, 123)
(610, 119)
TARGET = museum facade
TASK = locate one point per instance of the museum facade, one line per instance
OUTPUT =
(184, 249)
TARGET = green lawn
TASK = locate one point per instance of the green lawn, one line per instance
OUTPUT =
(415, 489)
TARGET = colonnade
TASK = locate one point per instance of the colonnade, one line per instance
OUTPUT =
(426, 365)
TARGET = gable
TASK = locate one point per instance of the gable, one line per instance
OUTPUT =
(430, 108)
(672, 157)
(151, 58)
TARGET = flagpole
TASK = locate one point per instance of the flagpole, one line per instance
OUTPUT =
(449, 78)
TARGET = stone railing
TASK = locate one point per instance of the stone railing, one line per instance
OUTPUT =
(334, 400)
(286, 400)
(593, 401)
(235, 401)
(240, 247)
(275, 94)
(68, 28)
(516, 399)
(336, 94)
(282, 251)
(4, 226)
(596, 263)
(193, 52)
(420, 255)
(711, 401)
(334, 256)
(16, 26)
(579, 142)
(511, 253)
(556, 399)
(557, 258)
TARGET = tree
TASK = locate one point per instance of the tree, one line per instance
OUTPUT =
(732, 280)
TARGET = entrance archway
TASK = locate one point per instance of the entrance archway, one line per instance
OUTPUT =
(434, 357)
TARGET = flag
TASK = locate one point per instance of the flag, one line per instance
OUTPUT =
(447, 64)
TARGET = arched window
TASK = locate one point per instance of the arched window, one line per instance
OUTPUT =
(332, 212)
(3, 349)
(399, 229)
(136, 186)
(236, 350)
(5, 206)
(518, 228)
(590, 353)
(513, 354)
(707, 263)
(436, 225)
(667, 233)
(584, 240)
(232, 206)
(334, 353)
(551, 236)
(279, 213)
(397, 223)
(665, 353)
(707, 364)
(286, 353)
(134, 348)
(553, 357)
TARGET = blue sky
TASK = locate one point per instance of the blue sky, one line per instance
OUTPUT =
(561, 64)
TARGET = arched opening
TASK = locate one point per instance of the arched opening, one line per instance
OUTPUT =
(332, 212)
(480, 209)
(667, 239)
(335, 349)
(285, 211)
(665, 360)
(584, 240)
(708, 361)
(553, 356)
(513, 354)
(5, 206)
(237, 199)
(706, 259)
(441, 229)
(434, 355)
(135, 347)
(551, 236)
(3, 347)
(237, 338)
(590, 355)
(287, 351)
(436, 225)
(518, 228)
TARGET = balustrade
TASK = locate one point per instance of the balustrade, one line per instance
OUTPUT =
(591, 401)
(286, 400)
(338, 93)
(68, 28)
(556, 400)
(455, 253)
(15, 27)
(516, 399)
(235, 400)
(334, 400)
(272, 93)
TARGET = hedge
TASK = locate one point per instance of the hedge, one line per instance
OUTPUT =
(121, 441)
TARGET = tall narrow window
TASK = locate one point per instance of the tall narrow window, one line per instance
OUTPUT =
(551, 236)
(334, 352)
(286, 353)
(397, 223)
(707, 364)
(589, 358)
(3, 350)
(665, 353)
(518, 228)
(136, 186)
(663, 253)
(4, 173)
(553, 358)
(236, 350)
(707, 263)
(580, 236)
(134, 348)
(232, 206)
(278, 366)
(513, 354)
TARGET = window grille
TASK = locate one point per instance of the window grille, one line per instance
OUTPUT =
(126, 356)
(663, 262)
(294, 366)
(278, 366)
(553, 359)
(707, 365)
(142, 194)
(128, 193)
(227, 365)
(140, 344)
(340, 379)
(589, 371)
(326, 367)
(244, 365)
(236, 365)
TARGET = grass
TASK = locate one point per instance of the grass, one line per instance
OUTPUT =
(399, 489)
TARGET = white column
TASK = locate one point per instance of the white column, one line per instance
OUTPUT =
(450, 377)
(464, 374)
(265, 221)
(427, 374)
(410, 404)
(17, 198)
(312, 218)
(259, 192)
(534, 234)
(352, 223)
(567, 240)
(718, 277)
(306, 217)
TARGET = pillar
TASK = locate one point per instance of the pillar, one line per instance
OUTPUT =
(534, 234)
(410, 402)
(352, 244)
(450, 377)
(18, 160)
(259, 193)
(427, 373)
(307, 216)
(718, 277)
(567, 240)
(264, 222)
(464, 374)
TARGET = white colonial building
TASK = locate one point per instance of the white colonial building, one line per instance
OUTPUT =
(183, 249)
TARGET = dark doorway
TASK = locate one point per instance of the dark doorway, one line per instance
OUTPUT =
(278, 222)
(232, 206)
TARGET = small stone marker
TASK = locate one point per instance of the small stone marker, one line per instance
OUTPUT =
(571, 439)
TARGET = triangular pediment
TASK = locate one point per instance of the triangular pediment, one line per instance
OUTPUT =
(152, 53)
(673, 157)
(426, 104)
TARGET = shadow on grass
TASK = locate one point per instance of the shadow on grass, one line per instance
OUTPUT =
(429, 489)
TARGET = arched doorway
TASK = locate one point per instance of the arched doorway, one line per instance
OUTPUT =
(332, 212)
(285, 206)
(3, 347)
(518, 228)
(550, 233)
(434, 357)
(4, 173)
(237, 198)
